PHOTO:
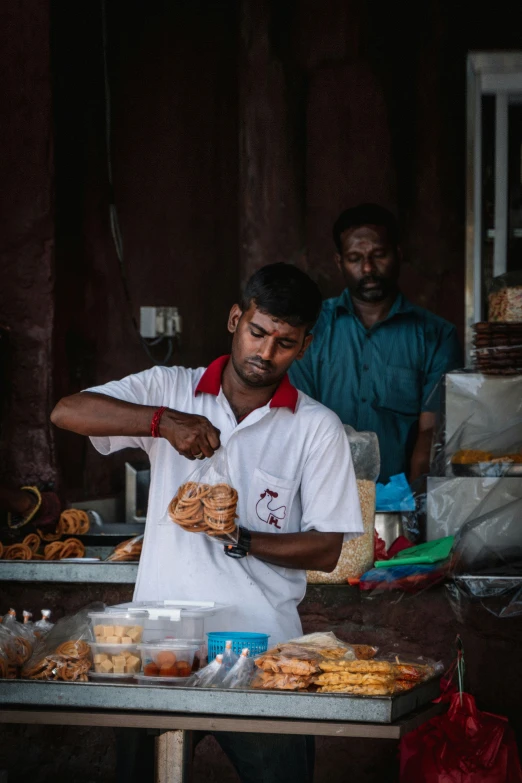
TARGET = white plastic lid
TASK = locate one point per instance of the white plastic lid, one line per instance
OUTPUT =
(170, 644)
(174, 610)
(113, 648)
(123, 615)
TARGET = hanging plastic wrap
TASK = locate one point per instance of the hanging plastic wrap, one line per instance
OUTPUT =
(357, 555)
(207, 501)
(487, 561)
(479, 431)
(240, 675)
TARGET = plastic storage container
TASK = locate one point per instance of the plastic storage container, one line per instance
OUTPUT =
(177, 619)
(115, 660)
(256, 642)
(167, 658)
(118, 627)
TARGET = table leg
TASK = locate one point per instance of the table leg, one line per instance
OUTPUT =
(174, 757)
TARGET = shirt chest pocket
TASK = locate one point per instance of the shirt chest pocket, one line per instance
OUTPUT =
(400, 390)
(269, 502)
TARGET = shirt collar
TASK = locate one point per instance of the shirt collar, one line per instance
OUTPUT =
(285, 396)
(400, 305)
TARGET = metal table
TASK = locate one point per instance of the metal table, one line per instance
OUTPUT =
(176, 712)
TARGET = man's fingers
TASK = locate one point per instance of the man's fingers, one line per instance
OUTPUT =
(213, 438)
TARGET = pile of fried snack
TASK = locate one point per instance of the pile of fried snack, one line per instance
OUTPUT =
(48, 546)
(18, 641)
(324, 664)
(205, 508)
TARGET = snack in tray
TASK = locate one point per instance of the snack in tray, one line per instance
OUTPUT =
(33, 542)
(59, 550)
(282, 682)
(118, 633)
(205, 508)
(125, 662)
(74, 522)
(127, 551)
(17, 552)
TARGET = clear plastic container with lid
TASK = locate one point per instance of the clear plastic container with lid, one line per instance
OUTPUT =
(118, 627)
(168, 658)
(115, 660)
(178, 619)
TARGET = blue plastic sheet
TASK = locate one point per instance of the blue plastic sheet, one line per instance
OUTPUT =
(396, 495)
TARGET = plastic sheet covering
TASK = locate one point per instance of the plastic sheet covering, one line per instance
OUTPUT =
(487, 557)
(365, 453)
(479, 429)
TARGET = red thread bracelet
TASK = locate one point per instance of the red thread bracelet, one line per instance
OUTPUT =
(155, 423)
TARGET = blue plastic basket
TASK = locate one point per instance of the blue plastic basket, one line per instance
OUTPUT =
(256, 642)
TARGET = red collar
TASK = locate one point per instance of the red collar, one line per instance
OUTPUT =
(285, 396)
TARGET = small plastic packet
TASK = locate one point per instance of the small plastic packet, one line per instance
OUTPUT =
(211, 676)
(127, 552)
(207, 501)
(43, 626)
(240, 675)
(65, 652)
(28, 623)
(229, 656)
(23, 638)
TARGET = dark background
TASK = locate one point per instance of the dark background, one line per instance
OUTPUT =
(239, 131)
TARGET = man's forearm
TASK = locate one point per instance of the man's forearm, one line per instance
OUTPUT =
(99, 415)
(420, 460)
(310, 551)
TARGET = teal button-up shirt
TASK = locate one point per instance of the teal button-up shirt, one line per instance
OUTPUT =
(379, 379)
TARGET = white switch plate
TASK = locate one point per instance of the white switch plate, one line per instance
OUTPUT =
(159, 322)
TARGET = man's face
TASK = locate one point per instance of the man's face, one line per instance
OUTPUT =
(369, 263)
(264, 347)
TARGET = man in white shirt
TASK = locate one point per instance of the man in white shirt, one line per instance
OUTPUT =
(279, 444)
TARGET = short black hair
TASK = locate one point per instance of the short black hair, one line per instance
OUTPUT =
(366, 215)
(284, 291)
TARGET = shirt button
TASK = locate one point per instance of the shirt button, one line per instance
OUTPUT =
(363, 399)
(365, 367)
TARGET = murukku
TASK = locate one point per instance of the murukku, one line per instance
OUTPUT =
(202, 508)
(53, 551)
(33, 542)
(74, 521)
(18, 552)
(72, 547)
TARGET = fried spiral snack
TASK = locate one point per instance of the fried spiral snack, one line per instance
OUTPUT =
(53, 551)
(33, 542)
(72, 547)
(74, 521)
(17, 552)
(70, 662)
(202, 508)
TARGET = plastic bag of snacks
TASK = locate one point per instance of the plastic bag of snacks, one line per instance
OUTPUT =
(383, 677)
(10, 658)
(43, 626)
(211, 676)
(207, 501)
(505, 298)
(64, 653)
(292, 665)
(241, 673)
(127, 551)
(23, 639)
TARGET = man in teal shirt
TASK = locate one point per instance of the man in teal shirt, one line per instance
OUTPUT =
(376, 358)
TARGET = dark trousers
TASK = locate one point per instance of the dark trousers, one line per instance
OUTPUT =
(257, 758)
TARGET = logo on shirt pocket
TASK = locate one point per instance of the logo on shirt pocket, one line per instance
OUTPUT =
(267, 509)
(270, 501)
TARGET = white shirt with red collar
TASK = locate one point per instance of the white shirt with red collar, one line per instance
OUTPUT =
(291, 464)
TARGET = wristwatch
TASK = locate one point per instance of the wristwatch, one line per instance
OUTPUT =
(242, 548)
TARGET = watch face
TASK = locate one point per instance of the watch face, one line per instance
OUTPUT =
(235, 552)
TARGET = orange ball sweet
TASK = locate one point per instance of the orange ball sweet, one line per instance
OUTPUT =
(151, 670)
(165, 658)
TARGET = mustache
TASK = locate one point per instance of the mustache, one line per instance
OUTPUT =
(262, 363)
(371, 279)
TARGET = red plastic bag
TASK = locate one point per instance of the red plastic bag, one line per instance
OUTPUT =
(463, 746)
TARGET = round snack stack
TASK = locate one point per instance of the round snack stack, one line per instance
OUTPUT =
(497, 348)
(205, 508)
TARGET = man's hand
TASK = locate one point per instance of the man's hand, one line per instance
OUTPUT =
(191, 435)
(99, 415)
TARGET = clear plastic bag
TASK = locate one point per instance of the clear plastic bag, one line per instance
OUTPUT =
(127, 552)
(207, 501)
(505, 298)
(43, 626)
(229, 656)
(65, 652)
(23, 638)
(240, 675)
(211, 676)
(366, 455)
